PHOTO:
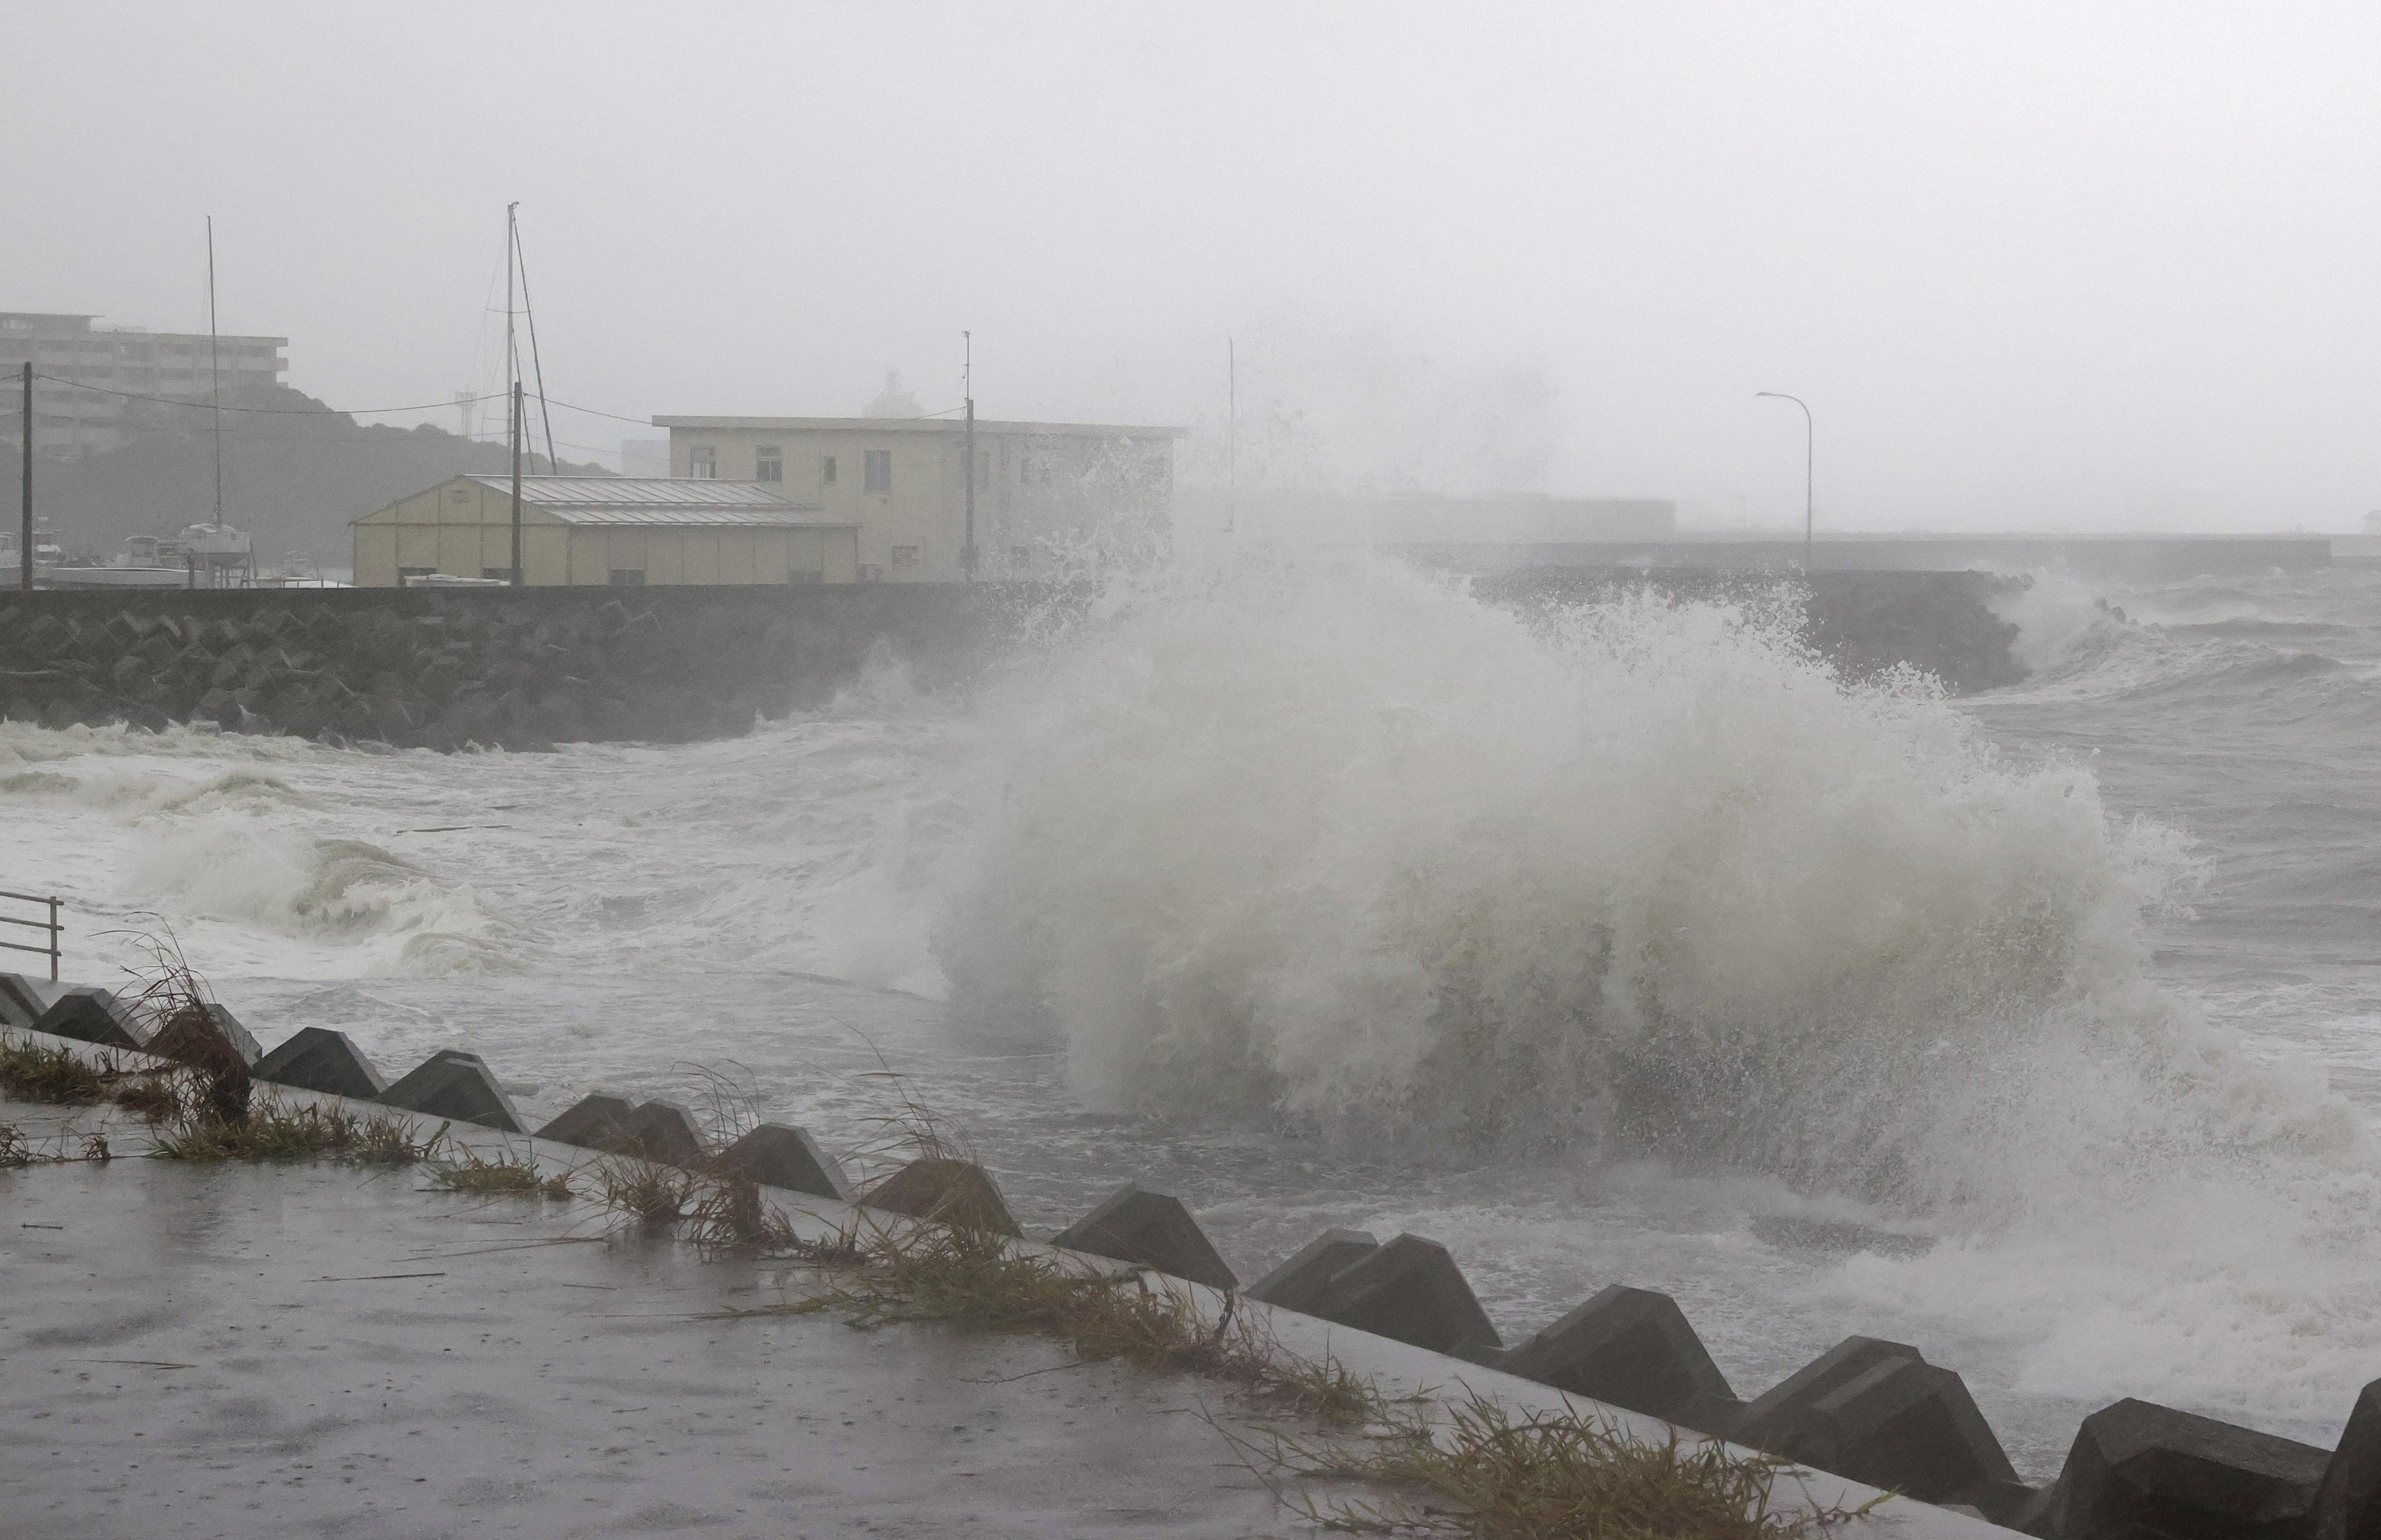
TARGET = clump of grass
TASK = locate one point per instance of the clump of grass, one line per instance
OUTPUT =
(147, 1094)
(14, 1151)
(467, 1171)
(274, 1133)
(730, 1214)
(44, 1072)
(651, 1195)
(174, 997)
(979, 1281)
(1518, 1476)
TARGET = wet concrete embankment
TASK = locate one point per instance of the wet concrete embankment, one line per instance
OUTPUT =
(423, 667)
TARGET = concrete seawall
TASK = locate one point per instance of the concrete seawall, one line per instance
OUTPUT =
(443, 668)
(425, 667)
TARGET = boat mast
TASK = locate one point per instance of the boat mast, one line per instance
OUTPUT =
(536, 359)
(512, 385)
(215, 370)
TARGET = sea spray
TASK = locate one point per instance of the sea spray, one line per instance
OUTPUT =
(1342, 843)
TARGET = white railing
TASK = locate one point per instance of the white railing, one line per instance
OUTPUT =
(55, 930)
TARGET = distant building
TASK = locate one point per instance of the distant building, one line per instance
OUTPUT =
(1041, 488)
(69, 423)
(597, 529)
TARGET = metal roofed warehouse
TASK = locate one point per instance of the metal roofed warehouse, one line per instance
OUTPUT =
(597, 529)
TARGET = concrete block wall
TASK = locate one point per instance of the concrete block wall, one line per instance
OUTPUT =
(443, 668)
(446, 669)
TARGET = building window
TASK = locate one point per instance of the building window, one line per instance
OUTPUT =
(904, 556)
(768, 465)
(877, 472)
(703, 464)
(871, 573)
(461, 494)
(627, 577)
(826, 470)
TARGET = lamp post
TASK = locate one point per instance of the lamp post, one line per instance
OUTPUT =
(1807, 437)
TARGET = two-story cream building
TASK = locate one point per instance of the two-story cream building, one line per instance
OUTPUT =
(1046, 493)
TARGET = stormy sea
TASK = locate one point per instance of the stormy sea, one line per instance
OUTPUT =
(2038, 1029)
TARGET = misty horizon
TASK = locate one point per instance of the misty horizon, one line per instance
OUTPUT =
(2032, 272)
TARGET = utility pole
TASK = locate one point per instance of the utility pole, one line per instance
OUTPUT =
(215, 370)
(517, 448)
(1808, 436)
(967, 387)
(25, 551)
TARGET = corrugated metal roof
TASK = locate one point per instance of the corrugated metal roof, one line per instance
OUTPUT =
(657, 501)
(634, 492)
(924, 425)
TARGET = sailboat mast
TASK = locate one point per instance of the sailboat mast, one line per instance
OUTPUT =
(215, 370)
(536, 359)
(512, 381)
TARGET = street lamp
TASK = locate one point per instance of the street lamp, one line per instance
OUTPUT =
(1807, 436)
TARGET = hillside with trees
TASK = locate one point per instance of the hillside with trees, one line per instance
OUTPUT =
(293, 478)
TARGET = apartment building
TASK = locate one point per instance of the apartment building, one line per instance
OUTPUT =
(69, 423)
(1044, 492)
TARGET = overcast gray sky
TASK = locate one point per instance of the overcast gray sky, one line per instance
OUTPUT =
(2055, 265)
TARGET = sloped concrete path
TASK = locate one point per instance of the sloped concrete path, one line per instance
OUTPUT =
(315, 1349)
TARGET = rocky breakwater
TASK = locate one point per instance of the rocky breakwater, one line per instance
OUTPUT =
(1863, 623)
(445, 669)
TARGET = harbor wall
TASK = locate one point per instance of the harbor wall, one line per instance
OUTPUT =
(445, 668)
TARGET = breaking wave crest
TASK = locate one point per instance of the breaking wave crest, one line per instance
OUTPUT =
(302, 885)
(1352, 847)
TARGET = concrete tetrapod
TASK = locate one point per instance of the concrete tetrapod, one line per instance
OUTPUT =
(1633, 1348)
(316, 1059)
(2140, 1469)
(24, 998)
(1300, 1283)
(777, 1155)
(2348, 1505)
(594, 1122)
(1149, 1230)
(196, 1033)
(1878, 1412)
(451, 1083)
(1411, 1291)
(662, 1131)
(91, 1015)
(956, 1192)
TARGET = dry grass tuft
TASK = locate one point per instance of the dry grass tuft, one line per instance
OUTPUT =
(147, 1094)
(979, 1281)
(40, 1072)
(1517, 1477)
(650, 1194)
(14, 1151)
(467, 1171)
(730, 1215)
(274, 1133)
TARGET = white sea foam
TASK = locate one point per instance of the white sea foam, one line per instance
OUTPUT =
(1348, 847)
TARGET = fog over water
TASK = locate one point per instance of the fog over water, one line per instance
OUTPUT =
(2037, 1029)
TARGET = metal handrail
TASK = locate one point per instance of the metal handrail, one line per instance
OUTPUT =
(57, 931)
